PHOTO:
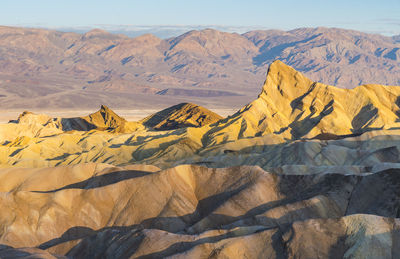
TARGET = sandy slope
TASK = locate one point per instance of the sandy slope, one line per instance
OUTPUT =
(306, 170)
(130, 115)
(99, 210)
(290, 109)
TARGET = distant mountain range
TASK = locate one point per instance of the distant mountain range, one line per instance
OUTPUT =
(44, 69)
(161, 31)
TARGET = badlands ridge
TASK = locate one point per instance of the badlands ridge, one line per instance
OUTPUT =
(306, 170)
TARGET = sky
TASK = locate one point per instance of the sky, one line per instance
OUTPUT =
(365, 15)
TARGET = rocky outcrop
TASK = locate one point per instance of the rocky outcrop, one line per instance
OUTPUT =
(41, 125)
(294, 107)
(294, 126)
(306, 170)
(104, 118)
(181, 116)
(193, 211)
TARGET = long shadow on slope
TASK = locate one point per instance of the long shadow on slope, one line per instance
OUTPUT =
(387, 182)
(397, 102)
(119, 234)
(362, 121)
(216, 128)
(323, 150)
(298, 102)
(141, 153)
(276, 51)
(295, 188)
(301, 128)
(12, 253)
(71, 234)
(101, 180)
(77, 123)
(87, 247)
(326, 239)
(171, 224)
(181, 247)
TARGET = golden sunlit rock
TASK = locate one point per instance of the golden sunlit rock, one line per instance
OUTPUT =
(305, 169)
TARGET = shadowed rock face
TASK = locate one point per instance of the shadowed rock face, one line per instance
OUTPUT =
(104, 118)
(306, 170)
(295, 123)
(294, 107)
(51, 70)
(181, 116)
(194, 211)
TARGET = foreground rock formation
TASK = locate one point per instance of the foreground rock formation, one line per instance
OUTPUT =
(306, 170)
(102, 210)
(192, 211)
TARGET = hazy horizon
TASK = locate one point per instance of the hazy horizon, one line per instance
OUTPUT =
(169, 31)
(233, 16)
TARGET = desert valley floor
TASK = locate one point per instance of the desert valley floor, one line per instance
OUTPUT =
(306, 170)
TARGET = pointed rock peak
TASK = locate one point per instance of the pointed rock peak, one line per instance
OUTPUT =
(278, 65)
(105, 117)
(105, 108)
(107, 112)
(284, 78)
(181, 116)
(278, 68)
(24, 113)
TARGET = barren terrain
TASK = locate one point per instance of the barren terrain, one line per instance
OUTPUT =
(130, 115)
(49, 70)
(306, 170)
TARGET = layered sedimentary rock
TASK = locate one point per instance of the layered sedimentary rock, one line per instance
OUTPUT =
(101, 210)
(46, 69)
(306, 170)
(294, 107)
(337, 126)
(182, 115)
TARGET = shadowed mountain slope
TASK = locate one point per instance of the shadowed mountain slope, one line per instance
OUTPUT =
(48, 69)
(294, 107)
(181, 116)
(194, 211)
(305, 170)
(291, 109)
(104, 118)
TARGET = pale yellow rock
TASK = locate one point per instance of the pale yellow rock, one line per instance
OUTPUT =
(294, 107)
(181, 116)
(269, 132)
